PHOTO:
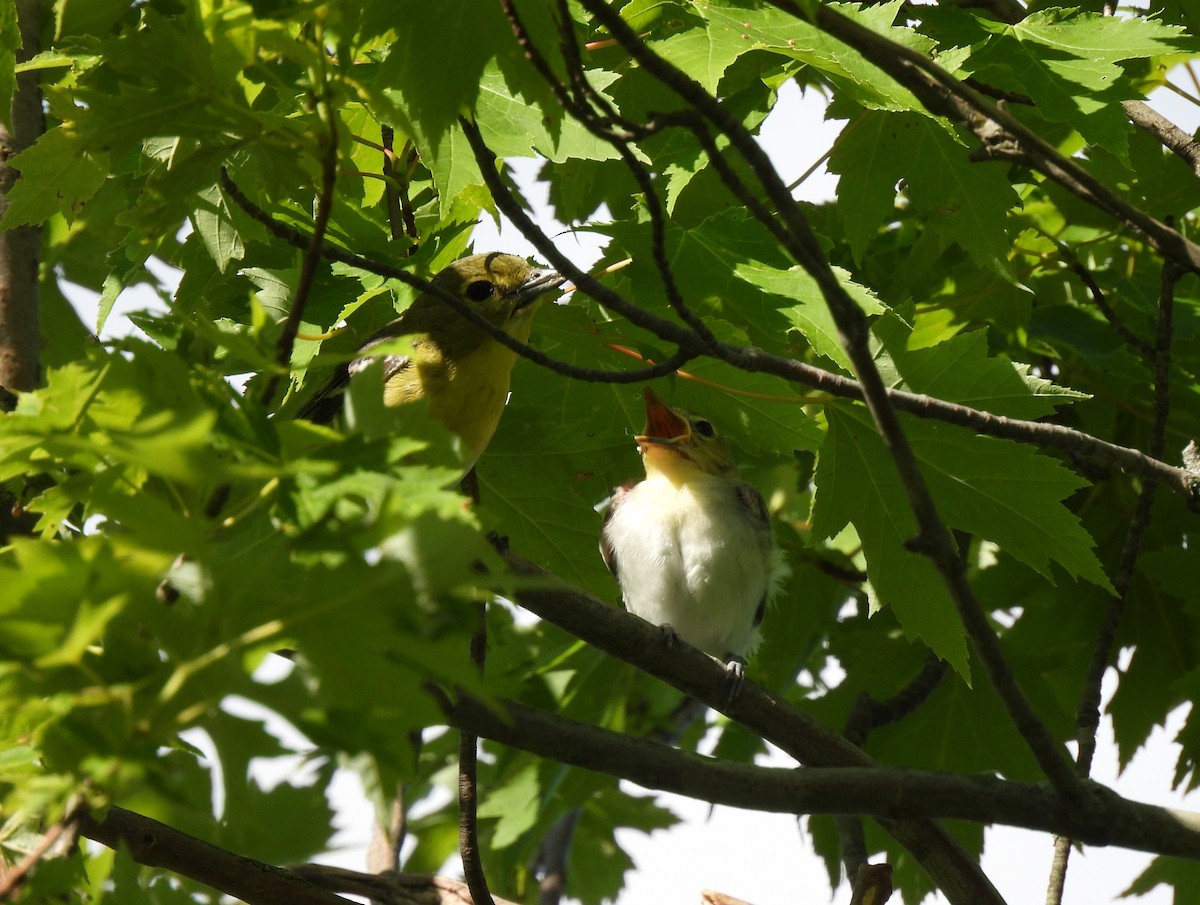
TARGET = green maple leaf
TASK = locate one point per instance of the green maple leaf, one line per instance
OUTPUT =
(857, 483)
(59, 158)
(1066, 61)
(995, 489)
(959, 369)
(734, 28)
(970, 202)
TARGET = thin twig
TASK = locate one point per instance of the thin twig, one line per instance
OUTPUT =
(852, 842)
(468, 787)
(389, 889)
(1085, 276)
(550, 863)
(12, 879)
(395, 190)
(1049, 436)
(867, 715)
(1087, 717)
(816, 165)
(540, 64)
(312, 254)
(1170, 135)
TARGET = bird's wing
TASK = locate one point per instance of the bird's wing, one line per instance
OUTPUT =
(607, 507)
(761, 611)
(755, 508)
(327, 403)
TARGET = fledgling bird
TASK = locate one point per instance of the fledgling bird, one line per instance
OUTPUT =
(690, 544)
(463, 372)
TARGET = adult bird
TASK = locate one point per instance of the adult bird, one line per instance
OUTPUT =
(459, 369)
(690, 544)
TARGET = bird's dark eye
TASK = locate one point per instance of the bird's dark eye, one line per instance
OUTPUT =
(705, 428)
(480, 290)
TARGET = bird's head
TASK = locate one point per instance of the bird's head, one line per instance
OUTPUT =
(505, 289)
(681, 445)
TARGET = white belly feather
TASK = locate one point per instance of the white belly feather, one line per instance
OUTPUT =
(694, 557)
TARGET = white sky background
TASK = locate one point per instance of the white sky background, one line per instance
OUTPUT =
(764, 858)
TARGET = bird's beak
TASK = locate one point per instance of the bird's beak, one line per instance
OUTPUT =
(537, 284)
(663, 426)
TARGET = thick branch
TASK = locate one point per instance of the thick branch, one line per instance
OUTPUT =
(1100, 818)
(391, 888)
(158, 845)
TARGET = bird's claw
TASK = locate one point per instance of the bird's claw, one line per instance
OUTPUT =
(735, 678)
(670, 637)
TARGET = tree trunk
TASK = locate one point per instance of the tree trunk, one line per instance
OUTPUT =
(19, 248)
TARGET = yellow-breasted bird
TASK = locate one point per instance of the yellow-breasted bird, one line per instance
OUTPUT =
(461, 371)
(690, 544)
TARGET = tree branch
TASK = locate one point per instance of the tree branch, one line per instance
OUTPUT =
(867, 715)
(401, 221)
(933, 540)
(312, 252)
(1036, 433)
(1077, 267)
(1100, 818)
(1087, 716)
(551, 860)
(14, 877)
(508, 205)
(468, 789)
(158, 845)
(1170, 135)
(392, 888)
